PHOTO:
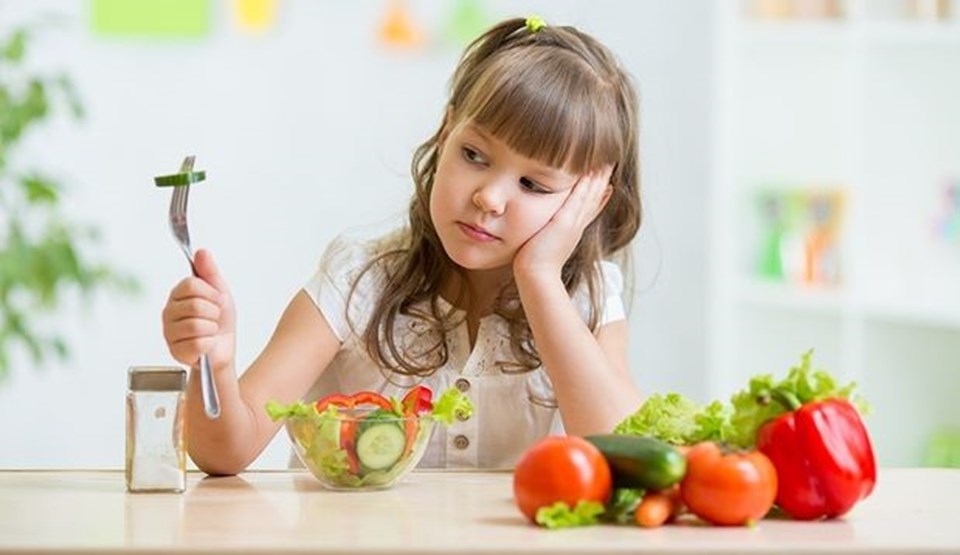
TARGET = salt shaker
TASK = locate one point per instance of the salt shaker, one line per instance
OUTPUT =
(156, 453)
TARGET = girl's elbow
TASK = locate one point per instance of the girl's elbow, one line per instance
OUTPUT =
(218, 464)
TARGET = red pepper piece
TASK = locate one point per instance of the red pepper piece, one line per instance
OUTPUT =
(418, 401)
(363, 398)
(371, 398)
(823, 456)
(348, 442)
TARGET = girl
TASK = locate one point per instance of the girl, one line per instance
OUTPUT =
(497, 285)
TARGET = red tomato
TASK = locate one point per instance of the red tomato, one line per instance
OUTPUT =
(736, 488)
(560, 468)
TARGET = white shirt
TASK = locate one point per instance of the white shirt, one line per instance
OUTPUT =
(511, 411)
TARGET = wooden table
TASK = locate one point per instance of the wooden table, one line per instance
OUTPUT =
(431, 512)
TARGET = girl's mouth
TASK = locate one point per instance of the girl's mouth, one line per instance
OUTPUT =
(477, 233)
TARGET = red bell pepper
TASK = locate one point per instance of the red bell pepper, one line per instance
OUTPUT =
(363, 398)
(823, 456)
(418, 401)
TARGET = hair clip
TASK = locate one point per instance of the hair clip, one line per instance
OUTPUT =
(535, 23)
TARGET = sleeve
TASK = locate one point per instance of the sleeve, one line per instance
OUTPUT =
(340, 267)
(613, 308)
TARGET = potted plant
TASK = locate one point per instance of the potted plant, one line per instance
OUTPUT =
(41, 259)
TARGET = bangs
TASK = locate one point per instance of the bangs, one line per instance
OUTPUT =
(549, 108)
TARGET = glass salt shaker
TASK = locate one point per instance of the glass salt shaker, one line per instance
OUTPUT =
(156, 453)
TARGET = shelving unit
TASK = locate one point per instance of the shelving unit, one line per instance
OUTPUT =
(867, 103)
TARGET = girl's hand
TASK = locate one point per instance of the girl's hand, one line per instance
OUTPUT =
(199, 317)
(547, 251)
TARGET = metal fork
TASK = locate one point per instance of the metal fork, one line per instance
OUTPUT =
(178, 225)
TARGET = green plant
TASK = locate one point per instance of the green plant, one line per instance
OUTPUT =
(40, 249)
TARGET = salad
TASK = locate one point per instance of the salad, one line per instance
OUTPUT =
(366, 440)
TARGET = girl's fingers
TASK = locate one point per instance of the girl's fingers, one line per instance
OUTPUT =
(195, 287)
(193, 307)
(192, 328)
(586, 198)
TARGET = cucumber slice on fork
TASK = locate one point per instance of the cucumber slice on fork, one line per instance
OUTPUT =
(180, 179)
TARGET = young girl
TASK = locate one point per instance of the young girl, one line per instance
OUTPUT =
(497, 286)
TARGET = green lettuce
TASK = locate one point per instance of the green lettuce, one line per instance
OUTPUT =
(676, 419)
(560, 515)
(758, 404)
(450, 404)
(278, 411)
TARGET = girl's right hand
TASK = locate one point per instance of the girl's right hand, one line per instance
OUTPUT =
(199, 317)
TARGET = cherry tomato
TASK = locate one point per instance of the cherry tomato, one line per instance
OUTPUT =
(560, 468)
(728, 488)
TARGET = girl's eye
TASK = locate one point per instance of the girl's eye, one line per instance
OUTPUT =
(531, 186)
(473, 156)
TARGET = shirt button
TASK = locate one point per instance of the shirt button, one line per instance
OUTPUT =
(463, 385)
(461, 442)
(462, 416)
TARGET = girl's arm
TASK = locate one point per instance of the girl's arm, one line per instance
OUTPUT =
(301, 347)
(590, 375)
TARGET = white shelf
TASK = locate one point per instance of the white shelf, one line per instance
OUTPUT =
(784, 296)
(847, 33)
(912, 32)
(838, 302)
(870, 106)
(944, 316)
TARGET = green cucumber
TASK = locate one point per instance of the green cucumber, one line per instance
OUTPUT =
(381, 440)
(179, 179)
(641, 462)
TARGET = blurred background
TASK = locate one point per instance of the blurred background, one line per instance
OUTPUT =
(801, 181)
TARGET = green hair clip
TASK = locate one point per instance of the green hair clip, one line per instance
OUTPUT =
(535, 23)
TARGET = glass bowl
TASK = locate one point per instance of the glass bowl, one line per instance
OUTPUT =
(359, 449)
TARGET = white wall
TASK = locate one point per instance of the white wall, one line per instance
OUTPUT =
(304, 132)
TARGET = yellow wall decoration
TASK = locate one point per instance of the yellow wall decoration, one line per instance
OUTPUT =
(255, 16)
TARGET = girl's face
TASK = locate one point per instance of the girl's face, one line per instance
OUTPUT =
(487, 200)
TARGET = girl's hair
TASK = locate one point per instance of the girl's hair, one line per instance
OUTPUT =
(552, 94)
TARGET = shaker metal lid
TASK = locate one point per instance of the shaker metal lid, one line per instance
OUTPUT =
(156, 378)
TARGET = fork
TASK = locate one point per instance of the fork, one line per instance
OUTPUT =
(178, 225)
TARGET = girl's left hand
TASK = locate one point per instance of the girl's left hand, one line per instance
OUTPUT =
(548, 250)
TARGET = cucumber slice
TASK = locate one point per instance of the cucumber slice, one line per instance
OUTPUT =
(380, 445)
(179, 179)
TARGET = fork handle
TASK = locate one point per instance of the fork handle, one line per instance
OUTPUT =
(211, 401)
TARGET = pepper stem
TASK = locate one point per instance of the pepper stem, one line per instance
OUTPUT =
(786, 399)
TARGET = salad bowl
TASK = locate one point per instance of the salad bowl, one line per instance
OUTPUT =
(365, 441)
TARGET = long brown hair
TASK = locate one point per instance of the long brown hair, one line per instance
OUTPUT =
(555, 95)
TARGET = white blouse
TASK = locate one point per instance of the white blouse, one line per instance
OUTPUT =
(511, 411)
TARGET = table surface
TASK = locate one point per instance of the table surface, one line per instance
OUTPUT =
(911, 510)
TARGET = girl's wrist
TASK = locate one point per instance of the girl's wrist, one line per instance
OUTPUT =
(536, 279)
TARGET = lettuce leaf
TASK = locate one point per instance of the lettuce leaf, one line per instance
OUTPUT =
(277, 410)
(676, 419)
(758, 403)
(560, 515)
(450, 404)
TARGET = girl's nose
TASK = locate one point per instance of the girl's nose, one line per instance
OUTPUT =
(489, 199)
